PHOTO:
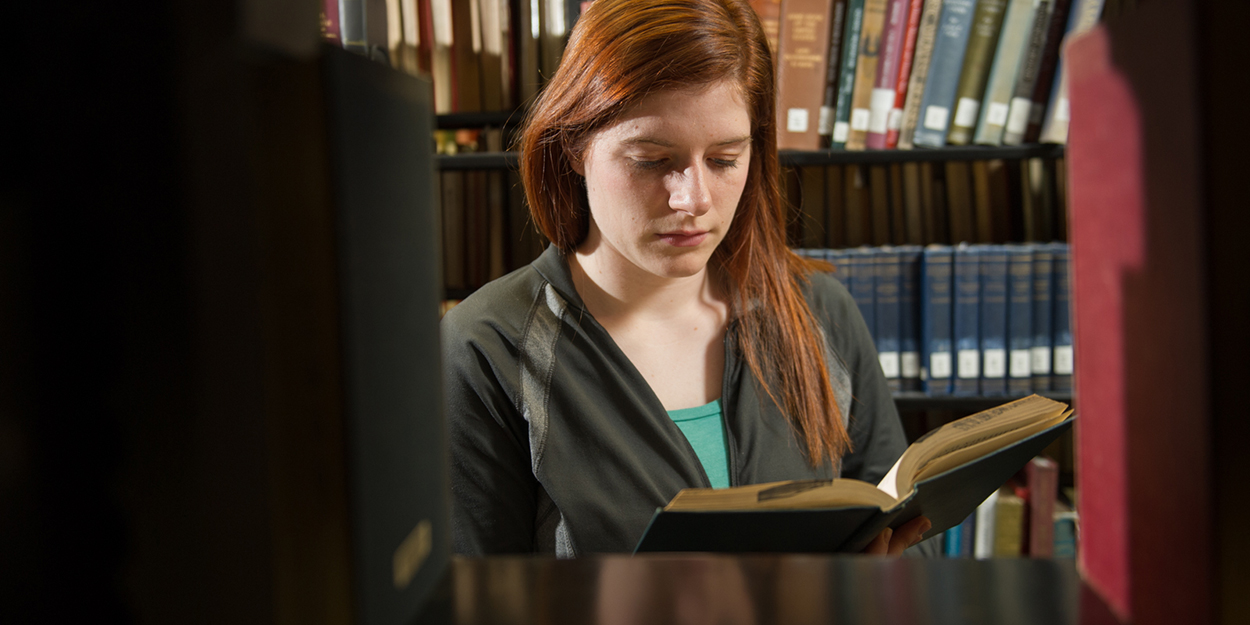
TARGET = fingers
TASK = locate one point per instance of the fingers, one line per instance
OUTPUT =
(908, 534)
(880, 545)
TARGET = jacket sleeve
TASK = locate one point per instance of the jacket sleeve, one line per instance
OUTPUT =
(492, 485)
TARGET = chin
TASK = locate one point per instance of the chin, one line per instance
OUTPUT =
(681, 266)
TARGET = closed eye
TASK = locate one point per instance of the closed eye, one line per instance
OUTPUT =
(724, 163)
(646, 165)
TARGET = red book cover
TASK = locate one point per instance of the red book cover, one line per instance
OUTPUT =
(1042, 476)
(892, 43)
(895, 118)
(330, 30)
(1141, 342)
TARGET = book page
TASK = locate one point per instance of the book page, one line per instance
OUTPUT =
(783, 495)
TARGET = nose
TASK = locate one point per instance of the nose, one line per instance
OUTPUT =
(688, 191)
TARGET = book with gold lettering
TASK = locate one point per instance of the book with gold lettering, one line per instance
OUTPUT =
(944, 476)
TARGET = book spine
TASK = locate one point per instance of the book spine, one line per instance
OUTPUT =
(829, 108)
(331, 28)
(1022, 95)
(909, 338)
(983, 546)
(993, 319)
(841, 270)
(866, 72)
(863, 286)
(801, 71)
(987, 23)
(884, 91)
(966, 322)
(926, 37)
(1020, 320)
(1013, 44)
(894, 121)
(952, 542)
(1064, 534)
(1056, 27)
(1062, 357)
(1042, 476)
(353, 26)
(888, 310)
(968, 535)
(1043, 289)
(1009, 524)
(846, 73)
(769, 12)
(1055, 125)
(936, 305)
(942, 80)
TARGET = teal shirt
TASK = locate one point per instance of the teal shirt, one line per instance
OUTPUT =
(703, 427)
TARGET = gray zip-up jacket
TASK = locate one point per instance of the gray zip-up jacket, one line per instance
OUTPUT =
(559, 445)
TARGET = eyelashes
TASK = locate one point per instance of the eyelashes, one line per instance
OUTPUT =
(651, 165)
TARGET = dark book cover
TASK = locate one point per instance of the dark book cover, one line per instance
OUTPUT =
(1043, 296)
(888, 309)
(942, 80)
(936, 327)
(846, 73)
(1019, 319)
(909, 318)
(993, 319)
(1062, 357)
(863, 285)
(966, 312)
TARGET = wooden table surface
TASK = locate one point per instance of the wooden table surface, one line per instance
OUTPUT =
(784, 589)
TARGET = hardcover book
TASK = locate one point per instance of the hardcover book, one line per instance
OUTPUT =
(1022, 95)
(1043, 288)
(1019, 319)
(943, 476)
(993, 319)
(846, 73)
(1061, 354)
(937, 302)
(942, 80)
(1054, 128)
(829, 108)
(870, 36)
(1056, 28)
(909, 324)
(885, 89)
(801, 72)
(918, 68)
(888, 309)
(986, 26)
(1013, 44)
(965, 323)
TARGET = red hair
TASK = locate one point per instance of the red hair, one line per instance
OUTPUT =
(619, 52)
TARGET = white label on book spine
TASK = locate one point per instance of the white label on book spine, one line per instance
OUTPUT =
(996, 114)
(966, 112)
(969, 359)
(935, 117)
(889, 363)
(1018, 117)
(882, 102)
(1063, 360)
(859, 119)
(995, 363)
(840, 132)
(1041, 360)
(1061, 110)
(1021, 363)
(896, 120)
(910, 364)
(796, 120)
(940, 365)
(825, 125)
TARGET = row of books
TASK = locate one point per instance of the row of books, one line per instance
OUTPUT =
(1024, 518)
(989, 201)
(482, 55)
(881, 74)
(487, 231)
(968, 320)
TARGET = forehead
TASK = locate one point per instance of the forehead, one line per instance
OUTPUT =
(716, 111)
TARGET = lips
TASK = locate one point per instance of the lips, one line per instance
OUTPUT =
(684, 238)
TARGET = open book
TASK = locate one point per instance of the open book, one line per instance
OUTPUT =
(944, 476)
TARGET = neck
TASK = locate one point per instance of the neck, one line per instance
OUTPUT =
(615, 293)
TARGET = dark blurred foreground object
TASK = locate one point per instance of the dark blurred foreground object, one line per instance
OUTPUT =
(220, 398)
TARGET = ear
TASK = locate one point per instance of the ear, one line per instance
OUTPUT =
(578, 166)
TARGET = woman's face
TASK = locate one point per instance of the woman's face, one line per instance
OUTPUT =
(664, 181)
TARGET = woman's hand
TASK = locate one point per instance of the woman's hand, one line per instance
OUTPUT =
(891, 542)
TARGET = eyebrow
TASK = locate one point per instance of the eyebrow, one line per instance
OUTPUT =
(647, 140)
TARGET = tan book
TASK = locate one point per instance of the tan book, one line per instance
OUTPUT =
(497, 205)
(913, 206)
(898, 215)
(440, 57)
(858, 219)
(987, 21)
(802, 65)
(943, 476)
(835, 206)
(872, 29)
(926, 36)
(454, 274)
(769, 12)
(466, 59)
(959, 202)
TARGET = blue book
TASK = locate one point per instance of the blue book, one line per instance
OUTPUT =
(965, 321)
(889, 283)
(945, 65)
(993, 319)
(1043, 302)
(863, 285)
(1062, 360)
(958, 540)
(1019, 320)
(909, 338)
(841, 271)
(936, 305)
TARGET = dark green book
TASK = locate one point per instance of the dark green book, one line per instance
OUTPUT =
(846, 73)
(987, 21)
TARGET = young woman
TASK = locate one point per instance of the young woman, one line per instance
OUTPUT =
(668, 338)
